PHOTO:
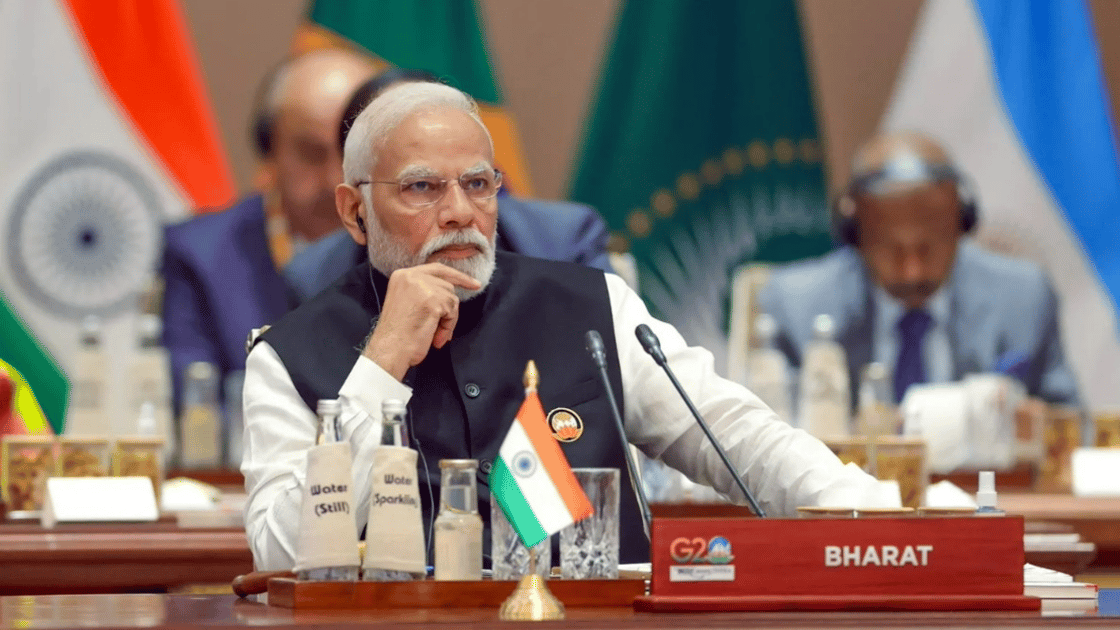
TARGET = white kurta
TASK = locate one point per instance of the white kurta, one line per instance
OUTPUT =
(784, 467)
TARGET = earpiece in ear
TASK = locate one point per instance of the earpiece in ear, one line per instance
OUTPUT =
(361, 224)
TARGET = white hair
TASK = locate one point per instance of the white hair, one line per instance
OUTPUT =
(372, 127)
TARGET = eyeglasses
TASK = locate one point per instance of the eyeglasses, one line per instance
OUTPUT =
(420, 192)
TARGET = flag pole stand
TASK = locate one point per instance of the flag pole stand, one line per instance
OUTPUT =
(531, 600)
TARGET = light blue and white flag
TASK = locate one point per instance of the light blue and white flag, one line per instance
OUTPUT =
(1014, 90)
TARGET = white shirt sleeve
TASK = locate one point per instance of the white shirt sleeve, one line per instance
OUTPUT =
(784, 467)
(279, 429)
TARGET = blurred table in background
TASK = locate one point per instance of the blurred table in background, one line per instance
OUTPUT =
(120, 558)
(228, 479)
(1095, 519)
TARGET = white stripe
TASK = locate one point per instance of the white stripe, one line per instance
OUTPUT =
(947, 89)
(56, 103)
(539, 491)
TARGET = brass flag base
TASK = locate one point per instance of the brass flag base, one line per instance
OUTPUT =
(531, 601)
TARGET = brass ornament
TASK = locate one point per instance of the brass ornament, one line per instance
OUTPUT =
(531, 601)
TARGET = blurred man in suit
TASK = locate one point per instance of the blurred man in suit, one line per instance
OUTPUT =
(532, 227)
(222, 269)
(907, 290)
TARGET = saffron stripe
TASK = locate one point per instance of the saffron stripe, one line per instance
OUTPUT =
(508, 495)
(531, 418)
(143, 51)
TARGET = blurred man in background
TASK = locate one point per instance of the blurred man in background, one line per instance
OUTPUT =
(222, 270)
(907, 290)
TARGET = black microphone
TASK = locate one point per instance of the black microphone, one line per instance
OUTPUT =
(653, 347)
(599, 355)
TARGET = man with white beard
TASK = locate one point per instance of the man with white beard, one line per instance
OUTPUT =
(442, 321)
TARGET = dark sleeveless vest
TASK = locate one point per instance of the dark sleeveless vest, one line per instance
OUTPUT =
(466, 394)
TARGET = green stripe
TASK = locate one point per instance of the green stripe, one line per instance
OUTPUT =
(505, 490)
(20, 349)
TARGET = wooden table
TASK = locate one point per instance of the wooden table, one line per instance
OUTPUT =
(1097, 520)
(215, 611)
(117, 558)
(162, 556)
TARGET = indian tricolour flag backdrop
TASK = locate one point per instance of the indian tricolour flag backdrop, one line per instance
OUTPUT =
(444, 37)
(1014, 89)
(531, 479)
(108, 134)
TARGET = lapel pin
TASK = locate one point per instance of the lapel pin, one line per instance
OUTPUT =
(566, 424)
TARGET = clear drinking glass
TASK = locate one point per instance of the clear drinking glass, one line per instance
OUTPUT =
(509, 556)
(589, 548)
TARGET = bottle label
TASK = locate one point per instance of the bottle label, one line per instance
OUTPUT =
(395, 534)
(328, 533)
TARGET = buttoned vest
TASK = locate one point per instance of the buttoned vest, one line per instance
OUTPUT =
(466, 394)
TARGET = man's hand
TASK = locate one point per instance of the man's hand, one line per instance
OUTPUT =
(420, 312)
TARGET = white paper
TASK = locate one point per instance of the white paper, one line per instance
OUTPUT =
(965, 424)
(99, 499)
(328, 533)
(992, 399)
(1096, 472)
(946, 494)
(939, 415)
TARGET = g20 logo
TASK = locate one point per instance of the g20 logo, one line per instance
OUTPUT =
(717, 550)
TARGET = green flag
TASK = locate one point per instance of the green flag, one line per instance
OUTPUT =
(444, 37)
(702, 152)
(41, 389)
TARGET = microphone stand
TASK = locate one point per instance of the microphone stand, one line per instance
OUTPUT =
(599, 355)
(652, 346)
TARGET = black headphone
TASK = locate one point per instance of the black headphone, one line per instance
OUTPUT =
(845, 225)
(361, 223)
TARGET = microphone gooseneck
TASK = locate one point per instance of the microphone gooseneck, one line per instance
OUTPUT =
(599, 355)
(652, 346)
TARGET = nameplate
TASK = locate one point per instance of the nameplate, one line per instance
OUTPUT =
(837, 557)
(1095, 471)
(99, 500)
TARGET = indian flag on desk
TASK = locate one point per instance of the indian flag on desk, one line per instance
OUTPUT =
(531, 478)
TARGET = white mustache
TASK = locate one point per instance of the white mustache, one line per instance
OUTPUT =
(467, 236)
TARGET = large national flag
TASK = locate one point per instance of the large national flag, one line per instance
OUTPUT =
(1014, 89)
(444, 37)
(702, 152)
(107, 135)
(531, 479)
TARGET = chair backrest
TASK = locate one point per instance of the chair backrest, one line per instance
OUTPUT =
(746, 283)
(624, 265)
